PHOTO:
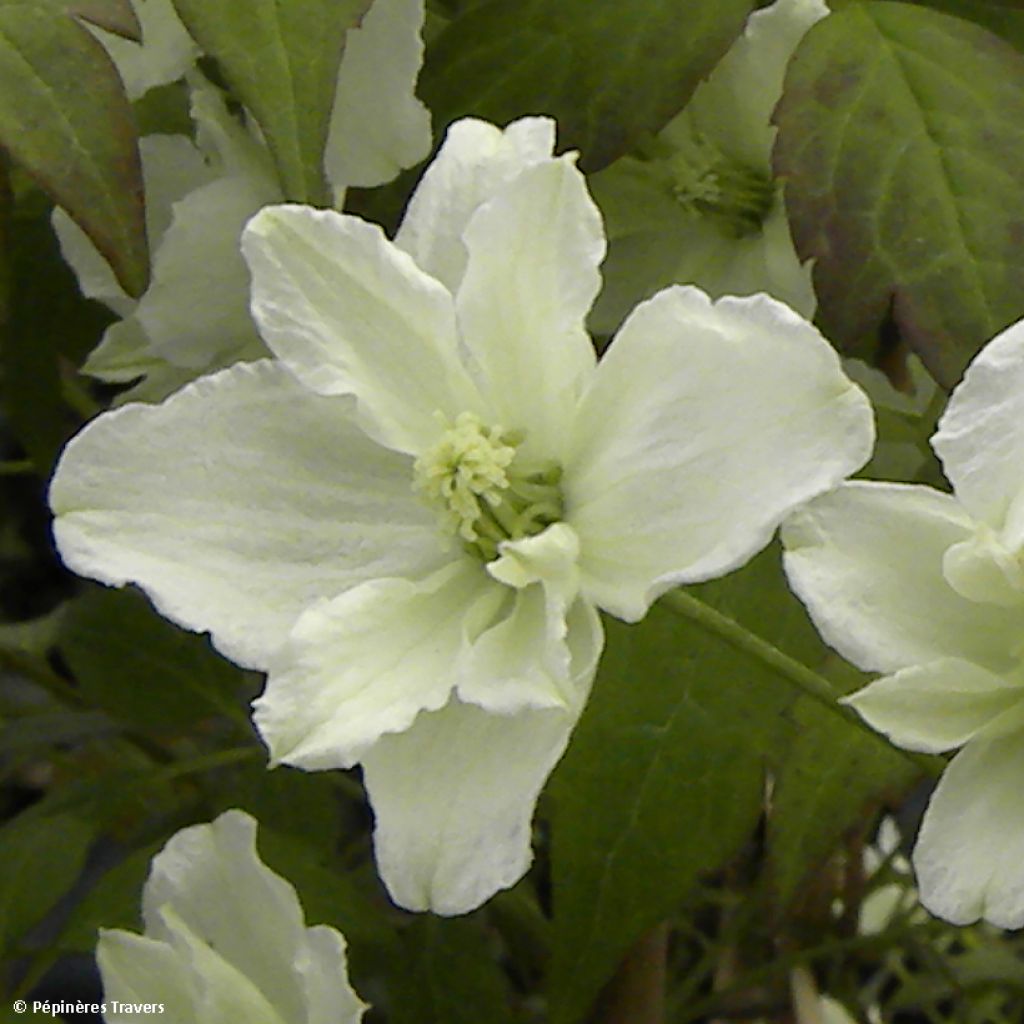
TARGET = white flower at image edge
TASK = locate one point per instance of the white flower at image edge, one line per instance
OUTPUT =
(928, 588)
(411, 516)
(194, 317)
(224, 940)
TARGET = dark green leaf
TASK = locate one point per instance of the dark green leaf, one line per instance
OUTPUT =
(609, 72)
(140, 668)
(39, 859)
(901, 139)
(662, 783)
(281, 59)
(51, 329)
(449, 975)
(830, 781)
(64, 117)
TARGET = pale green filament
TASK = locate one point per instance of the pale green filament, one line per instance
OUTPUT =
(483, 495)
(708, 183)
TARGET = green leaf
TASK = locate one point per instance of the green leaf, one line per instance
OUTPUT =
(830, 781)
(662, 783)
(39, 859)
(281, 59)
(448, 975)
(609, 72)
(1004, 17)
(50, 330)
(901, 139)
(65, 119)
(142, 669)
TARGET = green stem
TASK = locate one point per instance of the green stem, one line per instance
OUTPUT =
(17, 467)
(815, 686)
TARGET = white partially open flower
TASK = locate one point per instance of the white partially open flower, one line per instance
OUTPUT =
(700, 205)
(928, 588)
(224, 940)
(194, 317)
(412, 515)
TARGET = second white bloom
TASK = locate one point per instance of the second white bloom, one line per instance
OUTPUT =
(411, 516)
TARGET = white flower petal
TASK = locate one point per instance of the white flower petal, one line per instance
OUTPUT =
(704, 426)
(164, 55)
(867, 561)
(531, 278)
(982, 569)
(377, 124)
(197, 306)
(222, 991)
(476, 161)
(367, 662)
(525, 660)
(980, 439)
(734, 105)
(236, 504)
(969, 856)
(348, 312)
(935, 707)
(454, 796)
(209, 892)
(137, 970)
(172, 167)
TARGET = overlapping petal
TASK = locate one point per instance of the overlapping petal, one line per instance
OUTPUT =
(237, 503)
(367, 662)
(448, 839)
(531, 277)
(225, 939)
(474, 163)
(937, 706)
(350, 313)
(378, 126)
(971, 846)
(867, 562)
(980, 439)
(675, 475)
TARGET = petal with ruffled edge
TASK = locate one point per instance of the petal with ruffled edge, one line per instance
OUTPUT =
(935, 707)
(236, 504)
(350, 313)
(980, 439)
(705, 425)
(525, 659)
(867, 562)
(531, 277)
(475, 162)
(377, 124)
(367, 662)
(210, 896)
(969, 856)
(454, 796)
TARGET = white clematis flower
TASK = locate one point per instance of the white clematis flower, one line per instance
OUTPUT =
(700, 205)
(194, 317)
(224, 940)
(928, 588)
(412, 515)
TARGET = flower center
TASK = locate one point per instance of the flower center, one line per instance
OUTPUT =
(708, 183)
(475, 478)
